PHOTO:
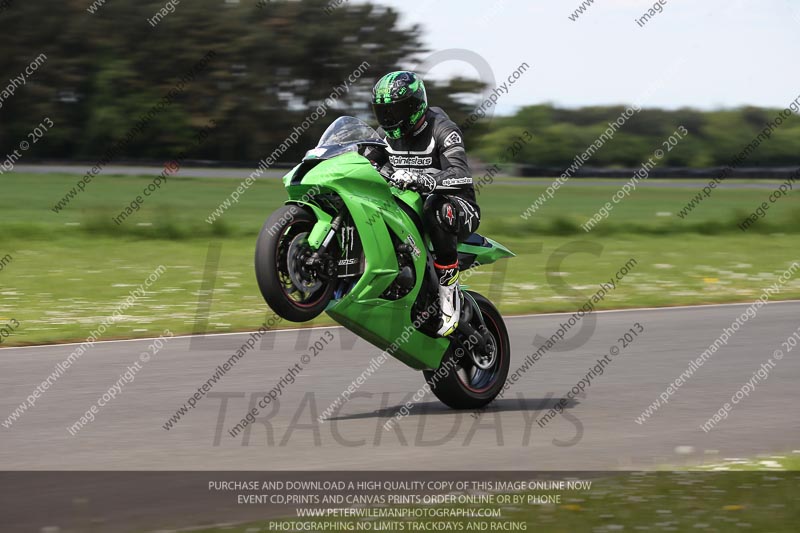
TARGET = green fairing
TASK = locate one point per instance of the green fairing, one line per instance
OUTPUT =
(375, 213)
(485, 255)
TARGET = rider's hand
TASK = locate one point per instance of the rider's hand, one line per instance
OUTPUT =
(403, 179)
(424, 184)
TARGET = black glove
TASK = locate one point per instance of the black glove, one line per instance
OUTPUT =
(424, 184)
(403, 179)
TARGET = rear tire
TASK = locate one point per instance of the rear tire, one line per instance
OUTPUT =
(277, 273)
(463, 385)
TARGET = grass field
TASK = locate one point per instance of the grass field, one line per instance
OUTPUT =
(68, 271)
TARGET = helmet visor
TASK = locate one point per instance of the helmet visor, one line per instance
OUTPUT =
(396, 115)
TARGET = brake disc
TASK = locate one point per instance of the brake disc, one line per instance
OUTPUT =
(485, 361)
(484, 357)
(299, 273)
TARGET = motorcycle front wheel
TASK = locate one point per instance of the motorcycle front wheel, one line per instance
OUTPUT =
(292, 288)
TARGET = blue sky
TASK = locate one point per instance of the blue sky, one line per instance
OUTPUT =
(698, 53)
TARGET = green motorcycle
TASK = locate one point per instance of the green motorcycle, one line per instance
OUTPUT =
(348, 243)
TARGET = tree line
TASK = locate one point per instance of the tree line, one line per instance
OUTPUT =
(714, 138)
(272, 64)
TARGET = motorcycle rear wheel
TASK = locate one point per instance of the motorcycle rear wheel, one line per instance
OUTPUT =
(459, 383)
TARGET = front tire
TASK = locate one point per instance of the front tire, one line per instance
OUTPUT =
(460, 383)
(289, 287)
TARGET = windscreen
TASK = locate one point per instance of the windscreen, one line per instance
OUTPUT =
(347, 130)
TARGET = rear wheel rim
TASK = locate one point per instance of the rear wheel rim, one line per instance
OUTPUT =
(474, 379)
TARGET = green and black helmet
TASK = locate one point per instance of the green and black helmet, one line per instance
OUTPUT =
(399, 102)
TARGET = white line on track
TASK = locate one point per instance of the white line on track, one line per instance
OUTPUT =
(509, 317)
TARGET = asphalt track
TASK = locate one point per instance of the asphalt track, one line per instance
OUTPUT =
(598, 431)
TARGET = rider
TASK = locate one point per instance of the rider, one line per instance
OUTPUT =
(426, 150)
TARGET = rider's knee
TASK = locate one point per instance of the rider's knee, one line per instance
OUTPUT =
(440, 211)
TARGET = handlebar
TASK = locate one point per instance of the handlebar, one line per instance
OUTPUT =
(387, 175)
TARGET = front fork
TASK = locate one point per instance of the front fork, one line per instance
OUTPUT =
(321, 259)
(321, 236)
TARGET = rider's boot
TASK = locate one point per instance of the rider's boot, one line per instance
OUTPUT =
(449, 297)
